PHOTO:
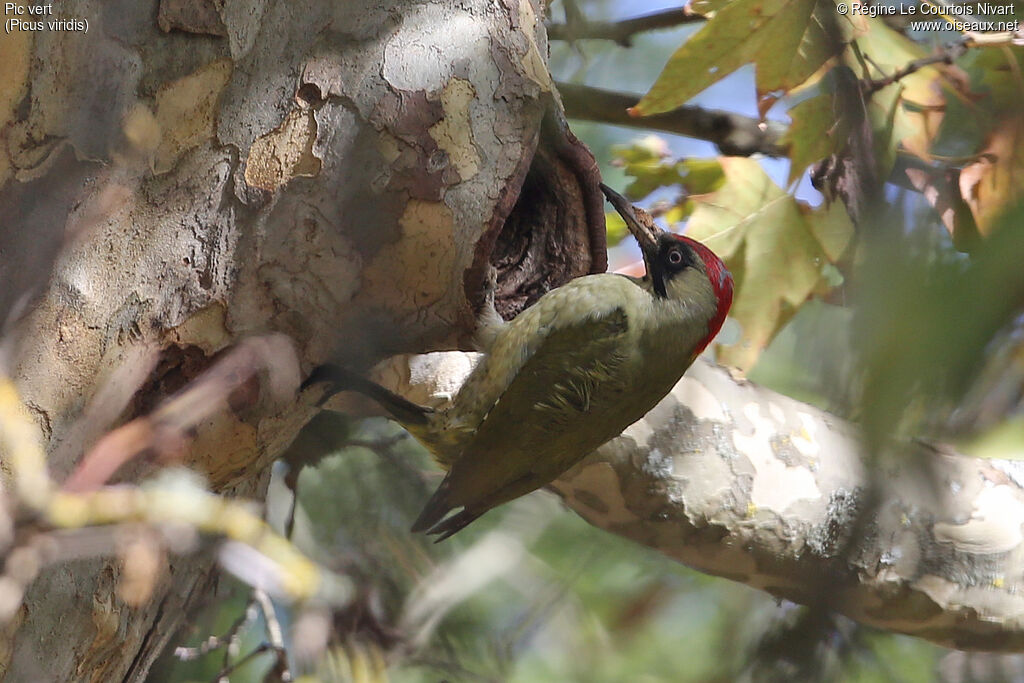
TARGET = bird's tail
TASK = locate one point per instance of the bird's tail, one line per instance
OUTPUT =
(433, 521)
(341, 379)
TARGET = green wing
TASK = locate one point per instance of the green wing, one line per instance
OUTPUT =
(559, 407)
(563, 402)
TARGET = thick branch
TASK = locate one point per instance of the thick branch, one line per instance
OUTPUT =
(737, 481)
(734, 134)
(622, 32)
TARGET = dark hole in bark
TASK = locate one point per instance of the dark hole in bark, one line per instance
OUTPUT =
(545, 241)
(178, 365)
(309, 94)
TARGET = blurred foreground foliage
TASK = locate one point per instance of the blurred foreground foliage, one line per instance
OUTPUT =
(531, 592)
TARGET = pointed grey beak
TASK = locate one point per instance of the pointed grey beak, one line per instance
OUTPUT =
(639, 222)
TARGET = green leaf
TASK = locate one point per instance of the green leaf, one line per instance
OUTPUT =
(701, 176)
(786, 39)
(653, 168)
(777, 249)
(831, 227)
(998, 70)
(817, 131)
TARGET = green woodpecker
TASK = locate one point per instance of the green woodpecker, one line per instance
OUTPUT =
(568, 374)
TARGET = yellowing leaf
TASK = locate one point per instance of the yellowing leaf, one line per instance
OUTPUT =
(992, 183)
(906, 113)
(786, 39)
(778, 251)
(615, 228)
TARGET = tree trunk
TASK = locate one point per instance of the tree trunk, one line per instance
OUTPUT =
(186, 174)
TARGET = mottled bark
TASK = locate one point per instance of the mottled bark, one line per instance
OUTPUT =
(186, 174)
(741, 482)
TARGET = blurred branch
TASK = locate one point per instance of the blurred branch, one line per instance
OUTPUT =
(69, 524)
(734, 134)
(622, 32)
(275, 636)
(233, 383)
(223, 675)
(23, 450)
(227, 641)
(1009, 38)
(738, 481)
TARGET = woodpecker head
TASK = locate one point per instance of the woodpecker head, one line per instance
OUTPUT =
(679, 269)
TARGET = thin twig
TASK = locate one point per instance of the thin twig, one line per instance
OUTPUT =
(622, 32)
(275, 635)
(188, 654)
(734, 134)
(945, 56)
(222, 675)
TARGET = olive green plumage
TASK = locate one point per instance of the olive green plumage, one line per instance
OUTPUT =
(568, 374)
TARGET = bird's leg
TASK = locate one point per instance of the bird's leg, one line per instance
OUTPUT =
(341, 379)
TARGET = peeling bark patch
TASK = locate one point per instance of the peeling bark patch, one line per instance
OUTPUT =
(416, 271)
(407, 114)
(227, 451)
(698, 399)
(804, 440)
(599, 477)
(994, 525)
(534, 65)
(776, 485)
(192, 16)
(406, 120)
(511, 81)
(454, 133)
(284, 153)
(185, 111)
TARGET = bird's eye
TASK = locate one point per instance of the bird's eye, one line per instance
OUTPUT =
(675, 256)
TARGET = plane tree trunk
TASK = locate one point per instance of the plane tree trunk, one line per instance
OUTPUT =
(333, 179)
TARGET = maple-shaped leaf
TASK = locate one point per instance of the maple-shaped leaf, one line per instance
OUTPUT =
(779, 251)
(787, 40)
